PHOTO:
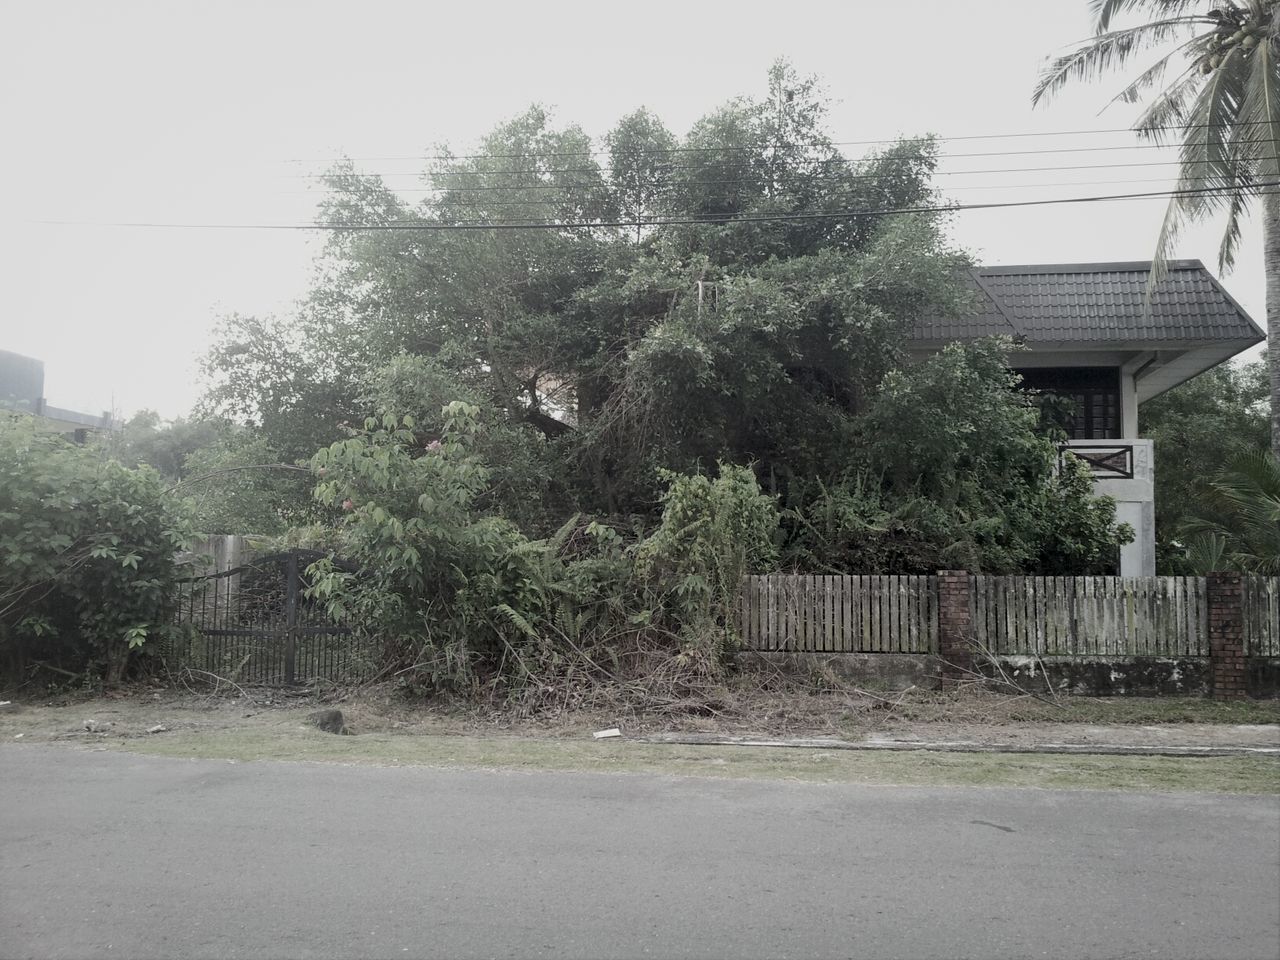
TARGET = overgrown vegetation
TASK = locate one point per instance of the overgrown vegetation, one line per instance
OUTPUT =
(87, 556)
(552, 453)
(1215, 507)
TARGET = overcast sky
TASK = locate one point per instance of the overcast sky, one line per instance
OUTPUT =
(183, 112)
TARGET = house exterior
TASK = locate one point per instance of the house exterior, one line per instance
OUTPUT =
(22, 391)
(1089, 337)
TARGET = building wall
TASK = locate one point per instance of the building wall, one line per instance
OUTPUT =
(1135, 505)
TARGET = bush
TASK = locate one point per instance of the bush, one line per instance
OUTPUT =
(432, 569)
(953, 471)
(87, 555)
(713, 533)
(461, 599)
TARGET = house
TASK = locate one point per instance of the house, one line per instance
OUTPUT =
(1088, 337)
(22, 391)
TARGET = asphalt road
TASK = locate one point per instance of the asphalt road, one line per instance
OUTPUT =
(106, 854)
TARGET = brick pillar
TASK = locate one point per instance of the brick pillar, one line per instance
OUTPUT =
(1227, 670)
(954, 622)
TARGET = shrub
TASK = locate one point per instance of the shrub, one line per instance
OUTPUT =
(713, 533)
(432, 569)
(461, 599)
(87, 555)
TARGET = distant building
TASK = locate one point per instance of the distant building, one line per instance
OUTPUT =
(22, 391)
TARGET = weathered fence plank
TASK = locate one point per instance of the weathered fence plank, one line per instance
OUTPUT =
(1011, 616)
(839, 614)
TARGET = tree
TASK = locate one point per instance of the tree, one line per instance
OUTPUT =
(737, 329)
(948, 469)
(1224, 102)
(1197, 427)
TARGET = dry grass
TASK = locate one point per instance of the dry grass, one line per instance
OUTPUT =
(291, 742)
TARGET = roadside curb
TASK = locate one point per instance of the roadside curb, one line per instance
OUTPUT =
(962, 746)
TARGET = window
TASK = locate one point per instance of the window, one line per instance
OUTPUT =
(1092, 398)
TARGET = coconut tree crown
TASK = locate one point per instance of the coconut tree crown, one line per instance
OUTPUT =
(1223, 100)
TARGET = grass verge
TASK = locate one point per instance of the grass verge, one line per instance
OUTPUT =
(1202, 774)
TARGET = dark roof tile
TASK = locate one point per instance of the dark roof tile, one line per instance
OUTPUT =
(1094, 303)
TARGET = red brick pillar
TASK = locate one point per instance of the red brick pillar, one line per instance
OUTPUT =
(954, 621)
(1226, 636)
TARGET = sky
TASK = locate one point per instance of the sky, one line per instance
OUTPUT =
(182, 112)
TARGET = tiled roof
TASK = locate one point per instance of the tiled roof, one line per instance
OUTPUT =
(1095, 303)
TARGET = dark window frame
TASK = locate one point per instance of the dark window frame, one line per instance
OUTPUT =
(1094, 392)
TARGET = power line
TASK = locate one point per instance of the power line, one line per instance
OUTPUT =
(662, 151)
(450, 203)
(785, 182)
(429, 226)
(847, 161)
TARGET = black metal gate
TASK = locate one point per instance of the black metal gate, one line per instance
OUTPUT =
(255, 624)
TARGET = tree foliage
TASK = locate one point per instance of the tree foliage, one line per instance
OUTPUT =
(1198, 428)
(1241, 530)
(578, 439)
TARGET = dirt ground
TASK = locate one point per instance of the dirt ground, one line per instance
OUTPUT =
(152, 711)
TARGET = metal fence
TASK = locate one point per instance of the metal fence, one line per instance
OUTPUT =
(254, 624)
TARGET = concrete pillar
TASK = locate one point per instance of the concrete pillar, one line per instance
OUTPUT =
(954, 626)
(1227, 667)
(1128, 405)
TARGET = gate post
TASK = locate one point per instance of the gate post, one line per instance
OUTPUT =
(291, 616)
(1226, 636)
(954, 626)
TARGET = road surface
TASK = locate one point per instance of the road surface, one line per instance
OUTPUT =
(106, 854)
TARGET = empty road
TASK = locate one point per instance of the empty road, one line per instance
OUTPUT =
(106, 854)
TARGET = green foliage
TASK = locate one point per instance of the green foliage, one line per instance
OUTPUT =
(271, 375)
(1197, 428)
(950, 472)
(554, 481)
(1244, 532)
(712, 534)
(87, 554)
(237, 484)
(432, 569)
(522, 465)
(462, 598)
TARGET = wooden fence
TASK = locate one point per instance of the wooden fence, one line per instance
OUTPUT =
(1262, 616)
(1091, 616)
(1011, 616)
(840, 614)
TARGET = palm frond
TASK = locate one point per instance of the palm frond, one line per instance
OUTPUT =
(1096, 56)
(1231, 233)
(1257, 140)
(1206, 552)
(1169, 108)
(1155, 73)
(1207, 155)
(1207, 160)
(1106, 11)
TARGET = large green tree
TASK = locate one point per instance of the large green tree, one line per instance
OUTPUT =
(722, 307)
(1222, 102)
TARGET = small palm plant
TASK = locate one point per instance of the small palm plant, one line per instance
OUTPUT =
(1244, 533)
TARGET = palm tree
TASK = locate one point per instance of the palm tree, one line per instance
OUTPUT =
(1244, 530)
(1223, 103)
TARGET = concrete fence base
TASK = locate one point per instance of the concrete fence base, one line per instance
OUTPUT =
(1064, 676)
